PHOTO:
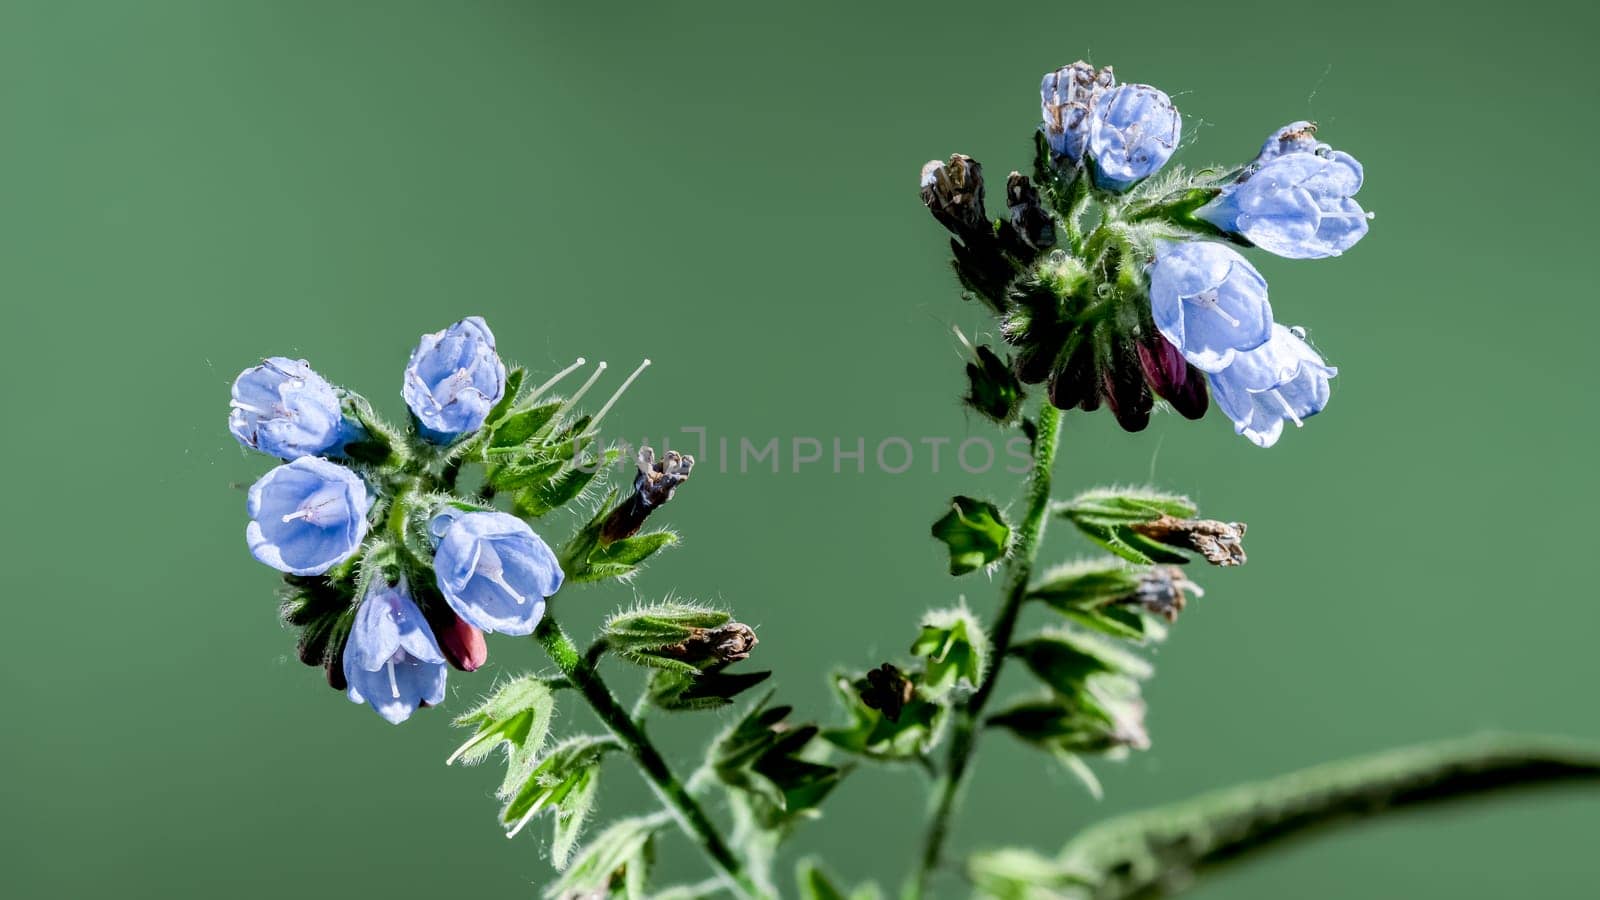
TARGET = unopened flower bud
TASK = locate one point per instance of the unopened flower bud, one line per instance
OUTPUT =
(1122, 382)
(1171, 376)
(463, 645)
(334, 665)
(993, 389)
(655, 484)
(1028, 217)
(1066, 97)
(887, 690)
(953, 192)
(1221, 543)
(1133, 131)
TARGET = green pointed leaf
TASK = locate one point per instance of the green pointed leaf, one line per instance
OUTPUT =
(1119, 622)
(975, 533)
(562, 489)
(522, 426)
(572, 812)
(528, 471)
(992, 388)
(516, 716)
(620, 559)
(616, 862)
(814, 884)
(1065, 660)
(1087, 584)
(514, 378)
(955, 648)
(679, 691)
(563, 781)
(772, 764)
(1106, 715)
(1122, 506)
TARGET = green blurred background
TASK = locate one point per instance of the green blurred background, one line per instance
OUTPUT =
(729, 189)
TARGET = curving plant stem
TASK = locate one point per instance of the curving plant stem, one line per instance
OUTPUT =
(1014, 589)
(674, 795)
(1160, 851)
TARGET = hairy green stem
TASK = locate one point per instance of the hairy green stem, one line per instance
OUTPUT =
(581, 672)
(1014, 589)
(1159, 851)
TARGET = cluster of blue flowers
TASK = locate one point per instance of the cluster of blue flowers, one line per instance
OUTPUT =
(311, 516)
(1295, 199)
(1153, 302)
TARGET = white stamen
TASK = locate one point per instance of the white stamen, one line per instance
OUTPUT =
(1287, 408)
(309, 512)
(528, 817)
(971, 351)
(451, 387)
(1208, 300)
(573, 400)
(499, 578)
(394, 686)
(580, 363)
(617, 395)
(248, 408)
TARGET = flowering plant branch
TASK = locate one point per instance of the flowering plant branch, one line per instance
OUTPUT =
(1112, 283)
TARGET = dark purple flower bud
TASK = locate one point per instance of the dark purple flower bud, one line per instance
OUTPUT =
(463, 645)
(1033, 226)
(1171, 376)
(953, 192)
(1073, 382)
(334, 664)
(1122, 382)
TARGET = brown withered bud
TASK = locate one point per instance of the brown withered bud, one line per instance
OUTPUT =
(1164, 591)
(1028, 217)
(1221, 543)
(953, 192)
(718, 646)
(887, 690)
(653, 486)
(463, 645)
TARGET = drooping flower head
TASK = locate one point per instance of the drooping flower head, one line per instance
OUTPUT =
(1208, 301)
(493, 570)
(1133, 131)
(1066, 99)
(1297, 205)
(392, 662)
(1283, 380)
(453, 379)
(284, 409)
(307, 516)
